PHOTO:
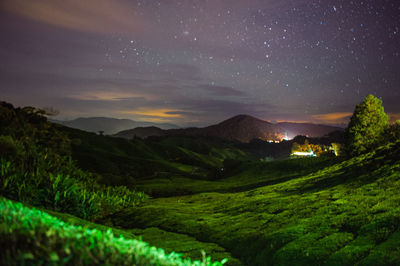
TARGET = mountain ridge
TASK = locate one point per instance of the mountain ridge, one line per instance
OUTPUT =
(242, 128)
(109, 125)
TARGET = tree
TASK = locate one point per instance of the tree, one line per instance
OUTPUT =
(367, 126)
(393, 132)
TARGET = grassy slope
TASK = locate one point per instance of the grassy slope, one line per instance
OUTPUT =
(343, 214)
(32, 236)
(244, 176)
(187, 246)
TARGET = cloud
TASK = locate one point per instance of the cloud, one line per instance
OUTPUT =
(154, 115)
(394, 117)
(333, 118)
(221, 90)
(96, 95)
(98, 16)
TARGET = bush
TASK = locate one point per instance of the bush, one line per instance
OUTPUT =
(57, 190)
(31, 237)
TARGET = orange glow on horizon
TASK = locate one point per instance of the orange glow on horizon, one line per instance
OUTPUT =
(333, 118)
(394, 117)
(160, 114)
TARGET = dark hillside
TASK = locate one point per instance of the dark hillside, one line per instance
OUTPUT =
(125, 161)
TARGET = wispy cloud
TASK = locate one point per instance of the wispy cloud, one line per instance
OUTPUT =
(99, 16)
(332, 118)
(154, 115)
(221, 90)
(394, 117)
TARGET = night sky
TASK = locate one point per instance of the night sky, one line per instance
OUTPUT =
(200, 62)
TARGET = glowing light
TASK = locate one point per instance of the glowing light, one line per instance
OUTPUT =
(302, 153)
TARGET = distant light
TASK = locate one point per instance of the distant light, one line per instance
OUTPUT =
(301, 153)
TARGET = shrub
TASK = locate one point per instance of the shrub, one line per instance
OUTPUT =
(58, 191)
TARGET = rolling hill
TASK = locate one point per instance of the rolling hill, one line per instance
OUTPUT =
(330, 213)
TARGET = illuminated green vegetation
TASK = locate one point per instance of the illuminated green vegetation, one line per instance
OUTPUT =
(29, 236)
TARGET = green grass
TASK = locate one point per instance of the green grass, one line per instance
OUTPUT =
(343, 213)
(183, 244)
(30, 236)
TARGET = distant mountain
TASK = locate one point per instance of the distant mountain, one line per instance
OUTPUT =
(307, 129)
(243, 128)
(110, 125)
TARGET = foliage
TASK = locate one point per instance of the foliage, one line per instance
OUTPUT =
(36, 168)
(29, 236)
(392, 133)
(59, 191)
(307, 147)
(318, 149)
(9, 147)
(337, 148)
(366, 128)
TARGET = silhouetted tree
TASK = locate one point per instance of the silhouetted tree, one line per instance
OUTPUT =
(367, 126)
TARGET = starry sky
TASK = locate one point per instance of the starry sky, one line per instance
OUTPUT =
(194, 63)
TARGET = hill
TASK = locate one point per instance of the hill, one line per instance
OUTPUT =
(110, 125)
(123, 162)
(141, 132)
(242, 128)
